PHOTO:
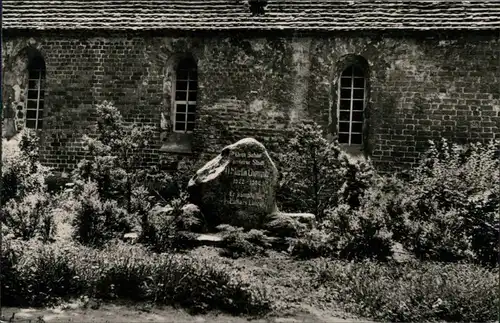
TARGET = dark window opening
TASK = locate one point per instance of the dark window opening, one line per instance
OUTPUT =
(351, 105)
(36, 93)
(186, 88)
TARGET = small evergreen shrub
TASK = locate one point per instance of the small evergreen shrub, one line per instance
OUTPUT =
(168, 227)
(360, 234)
(317, 175)
(113, 158)
(115, 191)
(98, 221)
(22, 173)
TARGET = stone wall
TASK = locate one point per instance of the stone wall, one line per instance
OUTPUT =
(420, 88)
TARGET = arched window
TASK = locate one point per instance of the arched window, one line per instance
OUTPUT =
(186, 86)
(35, 95)
(351, 105)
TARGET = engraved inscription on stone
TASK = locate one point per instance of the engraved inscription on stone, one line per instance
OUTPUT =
(237, 187)
(246, 174)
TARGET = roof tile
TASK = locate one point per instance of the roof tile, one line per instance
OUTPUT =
(321, 15)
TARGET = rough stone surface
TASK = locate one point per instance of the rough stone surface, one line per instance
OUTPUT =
(237, 187)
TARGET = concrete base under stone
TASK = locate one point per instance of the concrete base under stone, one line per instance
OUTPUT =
(209, 240)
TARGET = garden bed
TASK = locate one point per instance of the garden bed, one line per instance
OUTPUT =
(267, 287)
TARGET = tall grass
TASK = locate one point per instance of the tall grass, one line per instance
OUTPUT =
(36, 274)
(414, 291)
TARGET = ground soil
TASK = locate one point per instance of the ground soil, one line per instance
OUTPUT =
(112, 313)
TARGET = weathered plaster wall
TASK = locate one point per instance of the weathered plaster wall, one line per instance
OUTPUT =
(14, 84)
(420, 88)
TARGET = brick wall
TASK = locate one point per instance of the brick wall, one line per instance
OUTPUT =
(421, 87)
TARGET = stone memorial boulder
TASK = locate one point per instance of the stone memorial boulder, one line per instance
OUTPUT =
(238, 187)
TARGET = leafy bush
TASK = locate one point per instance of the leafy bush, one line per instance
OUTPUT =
(35, 274)
(357, 231)
(449, 209)
(317, 174)
(237, 243)
(313, 244)
(26, 210)
(22, 173)
(413, 292)
(285, 226)
(362, 232)
(30, 217)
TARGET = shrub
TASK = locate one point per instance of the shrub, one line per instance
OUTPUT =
(115, 163)
(64, 209)
(449, 209)
(446, 210)
(141, 204)
(285, 226)
(38, 274)
(357, 231)
(97, 221)
(313, 244)
(413, 292)
(126, 191)
(316, 174)
(22, 173)
(167, 227)
(237, 243)
(26, 210)
(114, 156)
(160, 185)
(34, 274)
(359, 177)
(30, 217)
(362, 232)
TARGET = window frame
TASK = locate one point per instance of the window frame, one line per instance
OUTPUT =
(187, 102)
(352, 77)
(41, 71)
